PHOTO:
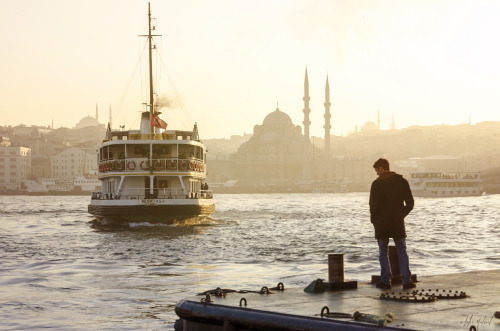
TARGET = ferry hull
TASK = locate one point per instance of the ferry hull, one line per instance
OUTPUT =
(156, 214)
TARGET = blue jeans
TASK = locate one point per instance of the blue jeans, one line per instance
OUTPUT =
(383, 256)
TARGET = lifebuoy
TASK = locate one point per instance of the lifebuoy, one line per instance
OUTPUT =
(131, 165)
(159, 165)
(111, 165)
(172, 164)
(144, 165)
(191, 165)
(184, 165)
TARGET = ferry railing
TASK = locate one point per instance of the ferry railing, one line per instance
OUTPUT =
(144, 193)
(207, 194)
(143, 164)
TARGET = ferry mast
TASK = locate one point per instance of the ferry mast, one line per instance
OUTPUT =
(151, 101)
(151, 96)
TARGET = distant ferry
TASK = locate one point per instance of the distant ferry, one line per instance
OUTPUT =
(445, 184)
(338, 185)
(152, 174)
(80, 185)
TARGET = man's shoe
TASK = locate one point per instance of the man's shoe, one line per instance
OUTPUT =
(409, 285)
(383, 286)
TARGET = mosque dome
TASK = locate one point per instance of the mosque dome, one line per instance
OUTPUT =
(277, 118)
(369, 127)
(86, 122)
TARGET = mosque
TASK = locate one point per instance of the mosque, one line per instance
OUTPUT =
(90, 121)
(278, 153)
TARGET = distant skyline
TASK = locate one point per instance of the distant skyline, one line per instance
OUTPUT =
(424, 62)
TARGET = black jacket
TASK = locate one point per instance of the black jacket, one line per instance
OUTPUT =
(390, 201)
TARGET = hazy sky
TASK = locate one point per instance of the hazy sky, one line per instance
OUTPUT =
(425, 62)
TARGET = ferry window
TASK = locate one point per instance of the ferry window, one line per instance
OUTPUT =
(164, 150)
(186, 151)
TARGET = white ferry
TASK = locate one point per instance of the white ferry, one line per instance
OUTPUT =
(338, 185)
(80, 185)
(445, 184)
(152, 174)
(86, 183)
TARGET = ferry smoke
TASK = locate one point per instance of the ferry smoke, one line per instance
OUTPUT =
(165, 101)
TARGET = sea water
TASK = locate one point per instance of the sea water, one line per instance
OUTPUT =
(59, 270)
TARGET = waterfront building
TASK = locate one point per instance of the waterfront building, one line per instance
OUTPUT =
(4, 141)
(67, 164)
(15, 166)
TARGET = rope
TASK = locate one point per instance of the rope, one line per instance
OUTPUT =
(122, 99)
(177, 94)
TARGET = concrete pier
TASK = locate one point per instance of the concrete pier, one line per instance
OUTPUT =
(293, 309)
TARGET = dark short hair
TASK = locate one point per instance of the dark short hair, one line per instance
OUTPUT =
(381, 163)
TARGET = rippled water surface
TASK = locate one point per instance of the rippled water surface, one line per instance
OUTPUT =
(58, 270)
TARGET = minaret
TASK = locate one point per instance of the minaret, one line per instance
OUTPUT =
(393, 125)
(378, 120)
(110, 116)
(96, 112)
(306, 109)
(327, 115)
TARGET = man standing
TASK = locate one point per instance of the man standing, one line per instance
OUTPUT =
(390, 201)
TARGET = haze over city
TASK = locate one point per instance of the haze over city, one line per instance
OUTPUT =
(425, 62)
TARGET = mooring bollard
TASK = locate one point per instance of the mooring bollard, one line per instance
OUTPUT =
(336, 274)
(335, 268)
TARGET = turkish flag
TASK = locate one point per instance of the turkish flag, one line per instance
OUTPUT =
(158, 122)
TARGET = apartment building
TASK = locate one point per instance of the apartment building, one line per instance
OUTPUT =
(15, 166)
(67, 164)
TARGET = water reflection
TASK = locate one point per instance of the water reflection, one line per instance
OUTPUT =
(146, 230)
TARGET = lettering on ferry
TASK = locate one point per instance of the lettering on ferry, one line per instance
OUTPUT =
(152, 202)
